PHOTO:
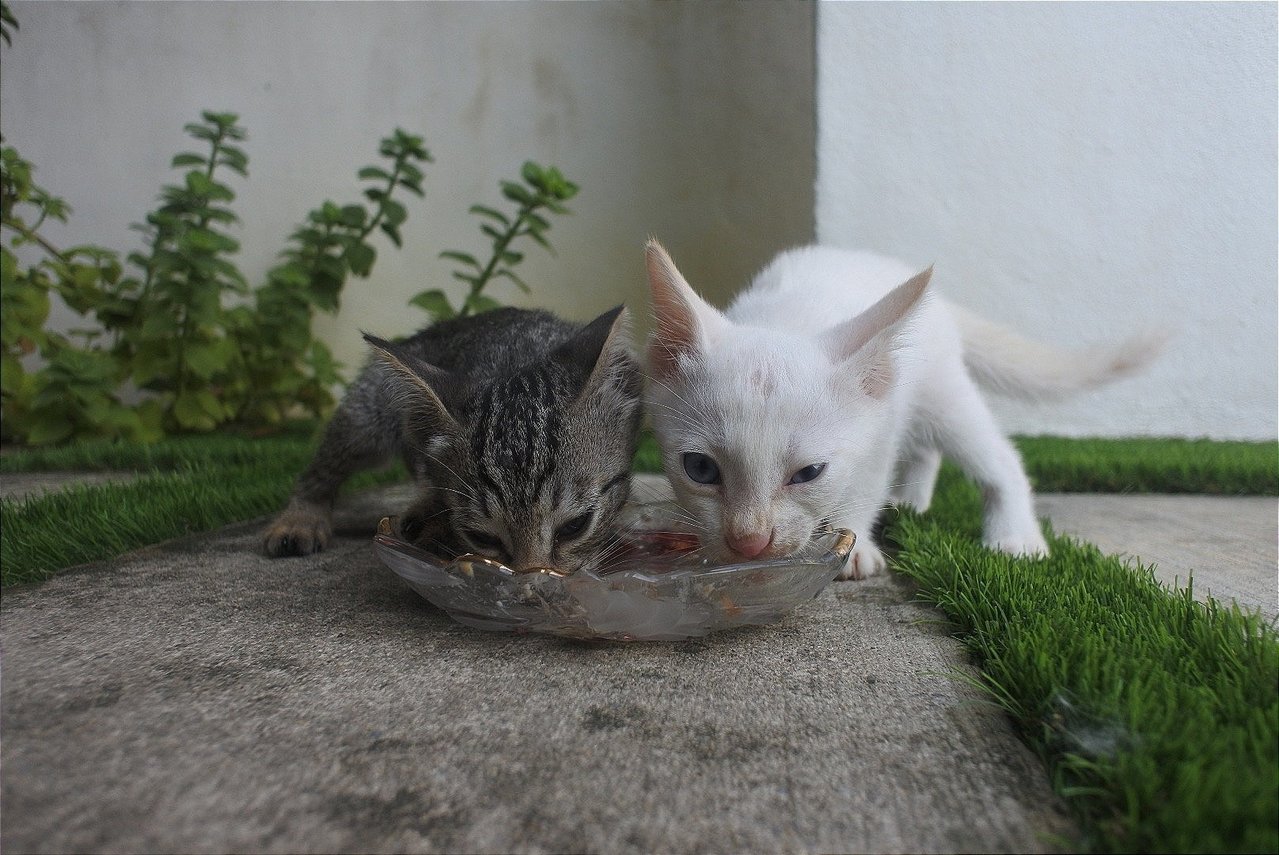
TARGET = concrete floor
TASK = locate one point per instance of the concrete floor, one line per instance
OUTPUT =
(196, 696)
(1230, 544)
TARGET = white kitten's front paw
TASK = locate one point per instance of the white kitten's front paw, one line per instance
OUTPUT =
(865, 561)
(1026, 546)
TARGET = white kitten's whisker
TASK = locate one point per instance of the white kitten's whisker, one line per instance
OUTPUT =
(899, 484)
(842, 512)
(678, 514)
(697, 409)
(644, 494)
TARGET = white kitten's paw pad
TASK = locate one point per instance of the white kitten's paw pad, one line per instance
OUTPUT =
(865, 561)
(297, 532)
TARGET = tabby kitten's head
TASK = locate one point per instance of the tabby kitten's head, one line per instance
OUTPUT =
(532, 467)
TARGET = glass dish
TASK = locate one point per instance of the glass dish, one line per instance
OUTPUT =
(656, 590)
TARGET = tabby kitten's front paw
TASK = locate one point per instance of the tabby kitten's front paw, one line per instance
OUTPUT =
(865, 561)
(298, 531)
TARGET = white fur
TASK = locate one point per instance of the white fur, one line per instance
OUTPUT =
(798, 370)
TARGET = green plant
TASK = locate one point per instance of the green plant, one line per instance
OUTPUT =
(283, 365)
(7, 23)
(172, 329)
(200, 347)
(544, 189)
(75, 394)
(174, 335)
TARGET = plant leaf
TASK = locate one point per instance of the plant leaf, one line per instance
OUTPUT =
(479, 303)
(463, 257)
(361, 257)
(520, 283)
(486, 211)
(393, 233)
(394, 212)
(435, 303)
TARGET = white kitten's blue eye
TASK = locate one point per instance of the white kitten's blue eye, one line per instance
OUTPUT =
(701, 468)
(808, 473)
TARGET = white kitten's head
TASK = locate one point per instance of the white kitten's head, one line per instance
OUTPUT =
(761, 429)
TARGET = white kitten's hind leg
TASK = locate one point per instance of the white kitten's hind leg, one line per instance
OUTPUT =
(916, 478)
(969, 435)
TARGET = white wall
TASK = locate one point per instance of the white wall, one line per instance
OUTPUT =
(693, 122)
(1077, 171)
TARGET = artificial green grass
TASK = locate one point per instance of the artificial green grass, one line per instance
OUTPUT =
(1151, 465)
(1158, 716)
(294, 446)
(191, 484)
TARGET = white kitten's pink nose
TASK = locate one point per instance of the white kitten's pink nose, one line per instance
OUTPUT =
(750, 545)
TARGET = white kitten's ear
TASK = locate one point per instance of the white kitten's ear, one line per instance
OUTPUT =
(683, 321)
(868, 336)
(422, 380)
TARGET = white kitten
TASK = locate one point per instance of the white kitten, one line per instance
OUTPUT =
(823, 384)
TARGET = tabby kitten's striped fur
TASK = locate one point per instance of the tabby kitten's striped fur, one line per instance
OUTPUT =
(519, 427)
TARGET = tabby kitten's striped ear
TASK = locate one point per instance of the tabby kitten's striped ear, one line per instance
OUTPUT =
(601, 351)
(423, 383)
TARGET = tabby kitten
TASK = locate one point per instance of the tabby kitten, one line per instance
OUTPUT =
(518, 426)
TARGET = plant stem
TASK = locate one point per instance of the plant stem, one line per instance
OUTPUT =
(498, 248)
(34, 236)
(386, 194)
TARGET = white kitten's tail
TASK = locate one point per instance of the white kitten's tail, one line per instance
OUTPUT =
(1004, 362)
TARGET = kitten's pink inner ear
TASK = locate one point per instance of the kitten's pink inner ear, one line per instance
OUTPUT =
(676, 331)
(849, 337)
(866, 341)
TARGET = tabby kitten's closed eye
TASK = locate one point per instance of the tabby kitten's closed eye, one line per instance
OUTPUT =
(520, 428)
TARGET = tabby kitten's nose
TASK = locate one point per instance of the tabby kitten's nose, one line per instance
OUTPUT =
(750, 545)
